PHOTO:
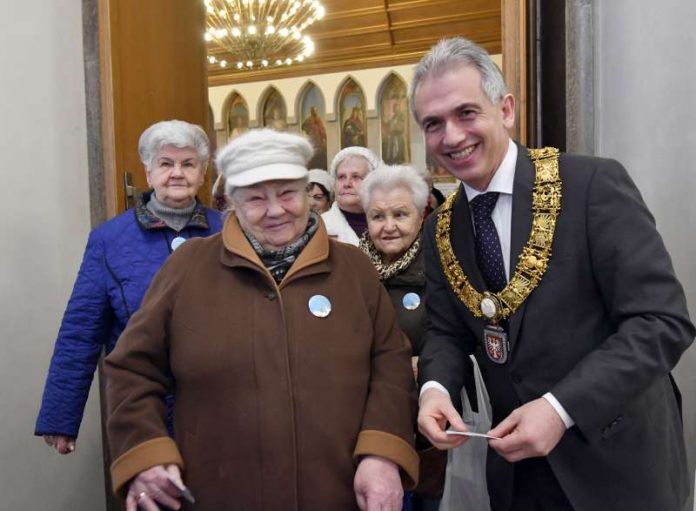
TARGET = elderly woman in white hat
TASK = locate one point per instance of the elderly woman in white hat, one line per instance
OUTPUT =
(293, 383)
(319, 190)
(346, 221)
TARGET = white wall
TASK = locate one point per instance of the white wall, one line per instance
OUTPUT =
(44, 220)
(646, 118)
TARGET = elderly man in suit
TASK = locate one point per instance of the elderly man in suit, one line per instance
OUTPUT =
(548, 268)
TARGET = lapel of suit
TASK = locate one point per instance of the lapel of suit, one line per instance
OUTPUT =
(521, 225)
(463, 240)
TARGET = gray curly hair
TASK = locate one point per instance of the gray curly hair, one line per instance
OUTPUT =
(388, 177)
(177, 133)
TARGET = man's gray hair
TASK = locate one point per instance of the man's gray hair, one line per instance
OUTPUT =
(388, 177)
(449, 54)
(180, 134)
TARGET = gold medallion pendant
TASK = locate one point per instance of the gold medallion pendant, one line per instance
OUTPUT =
(532, 263)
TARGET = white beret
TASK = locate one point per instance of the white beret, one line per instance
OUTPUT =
(373, 161)
(320, 176)
(263, 155)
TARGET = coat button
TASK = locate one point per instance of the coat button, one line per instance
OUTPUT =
(517, 378)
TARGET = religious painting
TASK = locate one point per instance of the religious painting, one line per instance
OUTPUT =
(352, 115)
(434, 169)
(445, 182)
(438, 173)
(237, 117)
(394, 122)
(313, 112)
(274, 111)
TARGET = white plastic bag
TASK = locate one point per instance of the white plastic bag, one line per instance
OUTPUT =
(465, 481)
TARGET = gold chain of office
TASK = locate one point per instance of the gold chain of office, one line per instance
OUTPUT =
(532, 263)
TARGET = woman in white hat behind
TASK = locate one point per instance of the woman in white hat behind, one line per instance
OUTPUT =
(319, 190)
(294, 388)
(346, 220)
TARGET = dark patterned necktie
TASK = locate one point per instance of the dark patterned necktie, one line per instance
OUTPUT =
(489, 255)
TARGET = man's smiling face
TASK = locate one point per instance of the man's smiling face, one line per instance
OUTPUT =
(464, 131)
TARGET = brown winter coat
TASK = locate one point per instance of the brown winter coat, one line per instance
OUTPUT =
(273, 405)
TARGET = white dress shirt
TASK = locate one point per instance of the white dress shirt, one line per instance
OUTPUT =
(502, 182)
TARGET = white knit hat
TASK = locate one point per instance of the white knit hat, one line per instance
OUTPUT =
(373, 161)
(263, 155)
(321, 177)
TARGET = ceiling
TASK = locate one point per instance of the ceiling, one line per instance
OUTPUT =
(362, 34)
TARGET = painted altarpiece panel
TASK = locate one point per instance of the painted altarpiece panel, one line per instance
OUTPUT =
(352, 119)
(394, 122)
(313, 115)
(237, 117)
(274, 111)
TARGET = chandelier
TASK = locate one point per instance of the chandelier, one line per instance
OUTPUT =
(257, 34)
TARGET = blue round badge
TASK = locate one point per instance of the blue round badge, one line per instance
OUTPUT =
(177, 242)
(319, 305)
(411, 301)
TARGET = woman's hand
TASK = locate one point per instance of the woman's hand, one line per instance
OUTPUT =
(62, 444)
(377, 485)
(152, 487)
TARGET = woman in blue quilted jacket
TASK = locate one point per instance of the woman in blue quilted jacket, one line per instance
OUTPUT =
(121, 257)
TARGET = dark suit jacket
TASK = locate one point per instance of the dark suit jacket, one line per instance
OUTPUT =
(601, 332)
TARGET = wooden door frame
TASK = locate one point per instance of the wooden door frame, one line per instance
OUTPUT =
(112, 191)
(514, 44)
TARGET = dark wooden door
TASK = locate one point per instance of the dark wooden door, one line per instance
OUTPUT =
(153, 68)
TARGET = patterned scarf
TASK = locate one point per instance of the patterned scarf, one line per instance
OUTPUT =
(278, 262)
(387, 271)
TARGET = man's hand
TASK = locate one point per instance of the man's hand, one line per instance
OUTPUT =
(62, 444)
(436, 410)
(377, 485)
(529, 431)
(152, 487)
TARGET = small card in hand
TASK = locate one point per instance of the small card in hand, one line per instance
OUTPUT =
(471, 434)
